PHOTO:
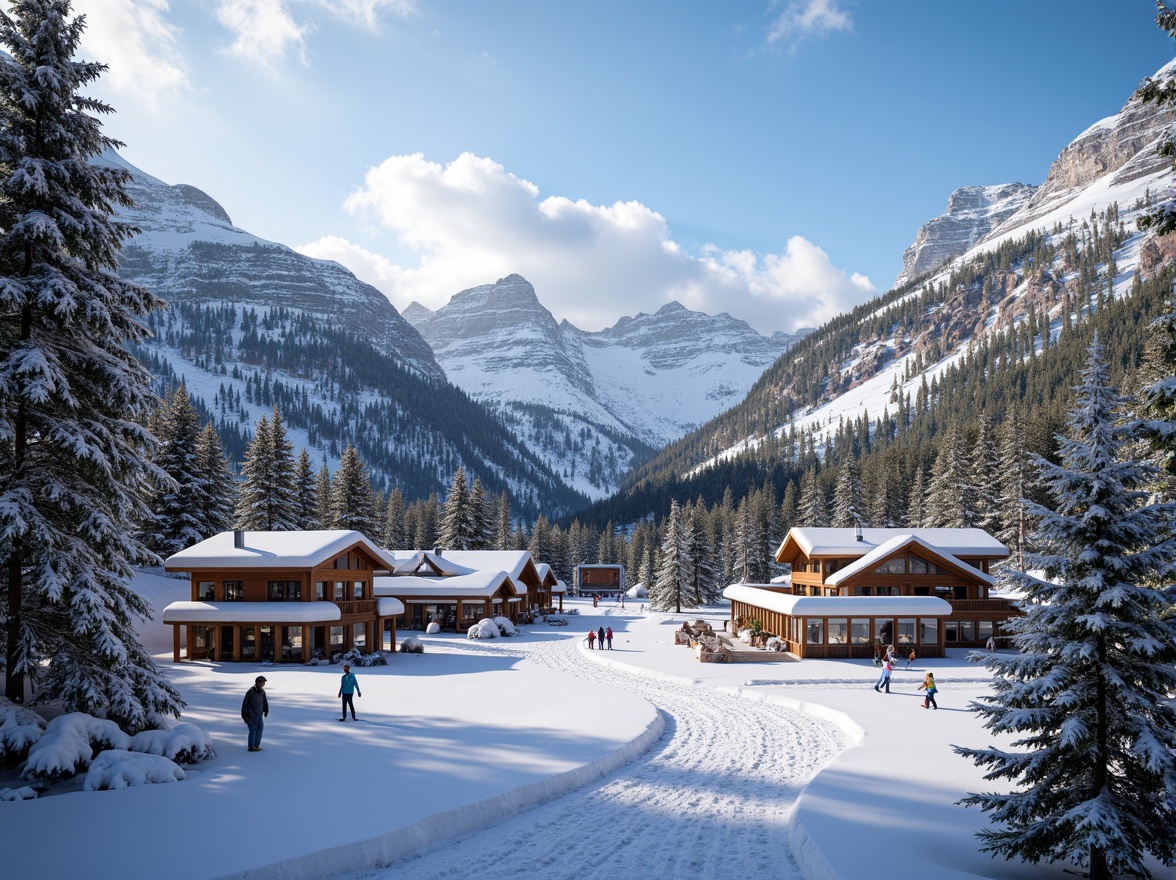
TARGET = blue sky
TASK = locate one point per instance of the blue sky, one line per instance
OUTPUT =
(767, 158)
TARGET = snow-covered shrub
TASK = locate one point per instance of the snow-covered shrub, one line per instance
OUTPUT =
(116, 768)
(20, 728)
(411, 645)
(505, 626)
(182, 742)
(483, 629)
(433, 628)
(68, 745)
(745, 636)
(24, 793)
(776, 644)
(355, 658)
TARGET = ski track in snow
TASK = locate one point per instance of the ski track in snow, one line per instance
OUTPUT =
(714, 794)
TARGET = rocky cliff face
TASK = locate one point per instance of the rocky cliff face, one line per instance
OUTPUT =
(972, 213)
(190, 251)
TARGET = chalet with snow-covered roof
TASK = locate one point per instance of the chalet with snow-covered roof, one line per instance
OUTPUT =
(454, 602)
(530, 589)
(850, 589)
(284, 597)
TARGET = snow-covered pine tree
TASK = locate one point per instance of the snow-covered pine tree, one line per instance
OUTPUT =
(352, 499)
(220, 489)
(742, 550)
(73, 453)
(763, 519)
(668, 592)
(505, 532)
(1159, 394)
(457, 515)
(645, 572)
(985, 478)
(428, 518)
(1090, 689)
(267, 500)
(177, 504)
(322, 494)
(849, 508)
(394, 535)
(483, 514)
(951, 498)
(540, 545)
(1014, 481)
(703, 578)
(814, 512)
(306, 491)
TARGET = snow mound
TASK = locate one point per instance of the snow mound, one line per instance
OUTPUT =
(433, 628)
(183, 743)
(20, 728)
(484, 629)
(411, 645)
(505, 626)
(355, 658)
(68, 745)
(637, 591)
(24, 793)
(116, 768)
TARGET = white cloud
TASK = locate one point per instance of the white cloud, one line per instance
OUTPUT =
(264, 30)
(138, 44)
(366, 13)
(808, 18)
(471, 222)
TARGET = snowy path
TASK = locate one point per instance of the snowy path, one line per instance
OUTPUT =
(712, 796)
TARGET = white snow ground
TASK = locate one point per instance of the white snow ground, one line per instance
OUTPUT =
(533, 757)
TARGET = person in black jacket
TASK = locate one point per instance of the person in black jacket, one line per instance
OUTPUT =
(254, 708)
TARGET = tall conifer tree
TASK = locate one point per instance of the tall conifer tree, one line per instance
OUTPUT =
(73, 453)
(220, 495)
(352, 499)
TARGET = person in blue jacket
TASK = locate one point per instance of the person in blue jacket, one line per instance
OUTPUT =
(348, 688)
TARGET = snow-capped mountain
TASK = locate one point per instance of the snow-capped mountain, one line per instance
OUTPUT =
(251, 324)
(593, 403)
(972, 213)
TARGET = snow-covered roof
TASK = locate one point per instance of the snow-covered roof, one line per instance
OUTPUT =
(296, 549)
(387, 606)
(560, 587)
(251, 612)
(843, 542)
(839, 606)
(513, 562)
(478, 584)
(886, 548)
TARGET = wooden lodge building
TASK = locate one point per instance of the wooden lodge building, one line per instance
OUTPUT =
(926, 589)
(457, 588)
(281, 597)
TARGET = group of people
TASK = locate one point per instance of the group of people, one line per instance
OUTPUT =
(888, 662)
(255, 706)
(604, 634)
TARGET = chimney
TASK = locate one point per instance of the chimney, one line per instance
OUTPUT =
(239, 539)
(857, 532)
(437, 551)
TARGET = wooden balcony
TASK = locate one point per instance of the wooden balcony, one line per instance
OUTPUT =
(981, 606)
(359, 606)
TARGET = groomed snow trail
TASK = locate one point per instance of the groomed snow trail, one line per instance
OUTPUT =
(711, 798)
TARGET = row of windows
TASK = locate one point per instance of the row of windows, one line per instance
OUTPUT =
(247, 642)
(282, 591)
(904, 631)
(899, 565)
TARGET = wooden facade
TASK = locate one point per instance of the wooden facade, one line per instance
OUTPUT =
(878, 570)
(255, 600)
(454, 603)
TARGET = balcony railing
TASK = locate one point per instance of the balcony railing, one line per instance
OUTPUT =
(984, 605)
(359, 606)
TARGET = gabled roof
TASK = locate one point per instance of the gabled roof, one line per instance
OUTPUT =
(839, 606)
(296, 549)
(901, 542)
(478, 584)
(448, 563)
(843, 542)
(546, 575)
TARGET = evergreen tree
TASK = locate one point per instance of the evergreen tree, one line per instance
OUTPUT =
(951, 497)
(267, 500)
(541, 545)
(849, 507)
(1090, 688)
(352, 499)
(742, 545)
(306, 491)
(814, 513)
(702, 578)
(322, 495)
(458, 520)
(985, 479)
(73, 453)
(176, 507)
(220, 489)
(645, 572)
(504, 537)
(427, 520)
(1013, 486)
(668, 592)
(483, 516)
(394, 533)
(1159, 394)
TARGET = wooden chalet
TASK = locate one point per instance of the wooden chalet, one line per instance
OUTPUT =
(284, 597)
(530, 589)
(850, 589)
(454, 602)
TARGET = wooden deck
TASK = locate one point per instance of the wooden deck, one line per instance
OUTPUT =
(741, 653)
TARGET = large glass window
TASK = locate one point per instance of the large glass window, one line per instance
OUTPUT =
(885, 631)
(918, 566)
(336, 639)
(291, 643)
(928, 631)
(471, 613)
(340, 590)
(248, 643)
(863, 591)
(206, 590)
(951, 632)
(202, 643)
(357, 589)
(892, 566)
(359, 635)
(838, 631)
(226, 643)
(906, 631)
(859, 631)
(265, 640)
(816, 634)
(234, 591)
(320, 590)
(967, 630)
(983, 630)
(285, 591)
